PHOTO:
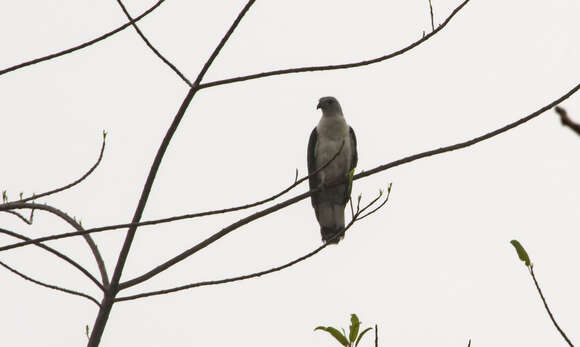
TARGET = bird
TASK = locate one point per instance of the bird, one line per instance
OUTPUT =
(331, 138)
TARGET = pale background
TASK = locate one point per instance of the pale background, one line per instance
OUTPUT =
(434, 267)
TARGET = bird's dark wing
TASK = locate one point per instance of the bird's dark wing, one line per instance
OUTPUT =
(354, 154)
(313, 181)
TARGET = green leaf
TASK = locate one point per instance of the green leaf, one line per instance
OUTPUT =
(361, 335)
(522, 254)
(104, 134)
(4, 196)
(354, 327)
(335, 333)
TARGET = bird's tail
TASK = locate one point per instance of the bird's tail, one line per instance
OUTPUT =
(332, 235)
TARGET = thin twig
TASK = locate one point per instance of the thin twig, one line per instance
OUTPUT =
(566, 121)
(51, 286)
(70, 185)
(24, 219)
(376, 335)
(381, 205)
(58, 254)
(155, 51)
(83, 45)
(240, 278)
(339, 66)
(469, 343)
(547, 308)
(432, 22)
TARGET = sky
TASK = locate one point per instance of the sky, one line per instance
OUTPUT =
(433, 267)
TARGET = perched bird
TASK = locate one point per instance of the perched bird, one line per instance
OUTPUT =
(326, 140)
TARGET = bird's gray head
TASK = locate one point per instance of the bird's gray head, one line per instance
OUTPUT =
(329, 106)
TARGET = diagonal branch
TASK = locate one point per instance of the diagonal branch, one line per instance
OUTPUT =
(58, 254)
(81, 46)
(51, 286)
(184, 255)
(113, 289)
(24, 219)
(472, 141)
(155, 51)
(339, 66)
(252, 275)
(161, 151)
(82, 178)
(547, 308)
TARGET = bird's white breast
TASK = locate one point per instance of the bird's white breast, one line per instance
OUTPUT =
(332, 131)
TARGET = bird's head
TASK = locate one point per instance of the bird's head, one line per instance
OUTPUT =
(329, 106)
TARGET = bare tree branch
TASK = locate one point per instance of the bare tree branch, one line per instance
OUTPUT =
(431, 11)
(157, 53)
(83, 45)
(253, 275)
(531, 267)
(472, 141)
(108, 300)
(340, 66)
(68, 219)
(83, 177)
(58, 254)
(51, 286)
(566, 121)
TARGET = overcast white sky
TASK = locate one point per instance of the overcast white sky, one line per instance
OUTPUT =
(434, 267)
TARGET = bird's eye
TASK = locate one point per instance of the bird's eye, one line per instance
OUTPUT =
(330, 102)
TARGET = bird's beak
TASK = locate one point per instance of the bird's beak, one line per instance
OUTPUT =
(318, 106)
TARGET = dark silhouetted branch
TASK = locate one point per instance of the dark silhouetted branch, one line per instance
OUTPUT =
(24, 219)
(547, 308)
(470, 142)
(566, 121)
(51, 286)
(339, 66)
(253, 275)
(108, 300)
(431, 12)
(83, 45)
(57, 253)
(68, 219)
(155, 51)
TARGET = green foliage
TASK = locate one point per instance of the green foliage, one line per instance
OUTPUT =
(4, 196)
(353, 337)
(522, 254)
